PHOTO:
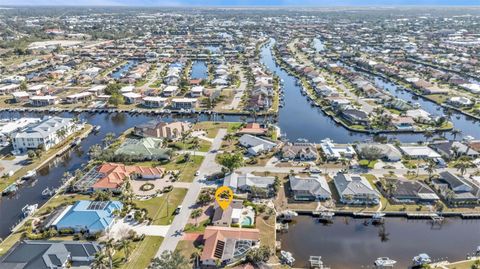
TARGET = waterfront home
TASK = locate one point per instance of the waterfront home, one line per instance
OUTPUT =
(338, 103)
(355, 189)
(335, 151)
(112, 176)
(132, 97)
(160, 129)
(86, 216)
(419, 115)
(37, 89)
(326, 91)
(388, 152)
(10, 127)
(170, 91)
(43, 100)
(253, 128)
(128, 88)
(256, 145)
(40, 254)
(20, 96)
(455, 188)
(235, 214)
(355, 116)
(241, 183)
(460, 101)
(197, 91)
(184, 103)
(154, 101)
(453, 149)
(46, 133)
(143, 149)
(402, 122)
(97, 90)
(472, 87)
(227, 245)
(413, 191)
(310, 188)
(299, 151)
(419, 152)
(79, 97)
(10, 88)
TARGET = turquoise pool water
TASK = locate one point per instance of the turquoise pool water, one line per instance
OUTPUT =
(247, 221)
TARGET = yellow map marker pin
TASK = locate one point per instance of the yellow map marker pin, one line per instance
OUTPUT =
(224, 196)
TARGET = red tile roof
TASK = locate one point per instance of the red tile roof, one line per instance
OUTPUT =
(114, 174)
(215, 233)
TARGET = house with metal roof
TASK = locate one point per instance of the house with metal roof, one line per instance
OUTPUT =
(256, 145)
(355, 189)
(456, 188)
(413, 191)
(38, 254)
(310, 188)
(87, 216)
(245, 182)
(142, 149)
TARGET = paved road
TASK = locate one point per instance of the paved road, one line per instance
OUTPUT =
(208, 166)
(239, 93)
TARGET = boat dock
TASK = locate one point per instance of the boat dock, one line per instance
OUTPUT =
(393, 214)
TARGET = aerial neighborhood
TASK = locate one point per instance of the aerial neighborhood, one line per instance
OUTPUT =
(329, 127)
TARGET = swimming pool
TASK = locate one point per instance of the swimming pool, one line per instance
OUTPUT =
(247, 221)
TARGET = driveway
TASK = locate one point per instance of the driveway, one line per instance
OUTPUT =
(208, 166)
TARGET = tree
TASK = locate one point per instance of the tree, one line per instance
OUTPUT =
(456, 132)
(204, 198)
(195, 145)
(431, 168)
(196, 214)
(371, 153)
(126, 246)
(390, 186)
(427, 134)
(195, 258)
(109, 247)
(170, 260)
(101, 261)
(258, 255)
(108, 139)
(462, 164)
(95, 151)
(31, 154)
(231, 161)
(116, 99)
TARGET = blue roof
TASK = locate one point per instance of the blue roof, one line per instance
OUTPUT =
(92, 216)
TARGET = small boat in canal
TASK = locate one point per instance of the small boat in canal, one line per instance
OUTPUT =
(326, 217)
(30, 174)
(97, 128)
(287, 257)
(28, 210)
(421, 260)
(287, 215)
(48, 192)
(378, 218)
(11, 189)
(384, 262)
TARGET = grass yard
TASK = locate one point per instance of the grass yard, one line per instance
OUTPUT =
(159, 210)
(186, 248)
(143, 253)
(187, 169)
(212, 127)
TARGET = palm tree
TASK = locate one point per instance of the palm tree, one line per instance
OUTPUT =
(456, 132)
(390, 186)
(195, 145)
(195, 258)
(463, 164)
(170, 260)
(109, 248)
(428, 134)
(196, 214)
(126, 245)
(109, 138)
(101, 261)
(431, 168)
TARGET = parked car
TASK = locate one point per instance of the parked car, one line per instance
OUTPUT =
(177, 210)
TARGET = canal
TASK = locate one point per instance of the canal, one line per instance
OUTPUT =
(199, 70)
(123, 70)
(349, 243)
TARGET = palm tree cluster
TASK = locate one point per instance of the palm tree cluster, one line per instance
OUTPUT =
(104, 258)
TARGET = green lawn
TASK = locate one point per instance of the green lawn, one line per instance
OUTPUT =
(144, 252)
(212, 127)
(159, 210)
(187, 169)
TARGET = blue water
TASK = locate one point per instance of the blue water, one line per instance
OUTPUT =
(199, 70)
(123, 70)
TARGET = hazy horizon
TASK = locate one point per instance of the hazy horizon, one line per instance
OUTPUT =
(238, 3)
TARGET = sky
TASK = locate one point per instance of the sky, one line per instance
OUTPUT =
(237, 2)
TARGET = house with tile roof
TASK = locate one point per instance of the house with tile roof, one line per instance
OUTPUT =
(143, 149)
(227, 244)
(299, 151)
(111, 176)
(86, 216)
(161, 129)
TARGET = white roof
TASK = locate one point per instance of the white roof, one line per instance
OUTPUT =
(420, 151)
(97, 88)
(20, 94)
(197, 89)
(155, 98)
(184, 100)
(131, 95)
(79, 95)
(128, 88)
(170, 89)
(43, 97)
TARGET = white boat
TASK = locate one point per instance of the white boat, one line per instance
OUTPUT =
(48, 192)
(378, 218)
(29, 174)
(97, 128)
(287, 257)
(384, 262)
(326, 216)
(287, 215)
(421, 259)
(28, 210)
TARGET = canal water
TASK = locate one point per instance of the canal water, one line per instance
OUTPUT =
(349, 243)
(123, 70)
(199, 70)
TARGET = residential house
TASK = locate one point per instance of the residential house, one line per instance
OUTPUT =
(460, 101)
(46, 133)
(143, 149)
(227, 245)
(111, 176)
(132, 97)
(253, 128)
(299, 151)
(455, 188)
(256, 145)
(235, 214)
(160, 129)
(196, 91)
(43, 100)
(454, 149)
(355, 189)
(413, 191)
(336, 151)
(20, 96)
(419, 152)
(79, 97)
(154, 101)
(388, 152)
(355, 116)
(310, 188)
(170, 91)
(86, 216)
(184, 103)
(246, 182)
(40, 254)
